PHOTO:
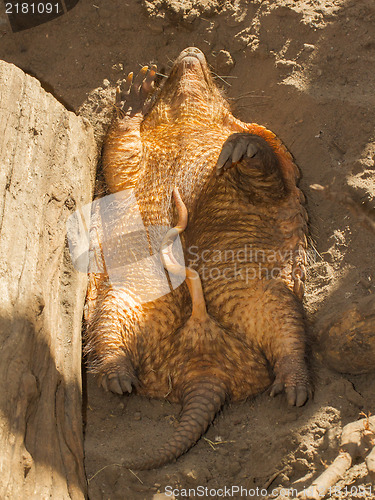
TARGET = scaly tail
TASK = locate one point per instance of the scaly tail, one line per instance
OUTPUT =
(201, 400)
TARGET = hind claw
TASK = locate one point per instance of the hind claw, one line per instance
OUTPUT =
(126, 384)
(251, 150)
(296, 395)
(225, 160)
(132, 94)
(277, 388)
(117, 383)
(291, 395)
(238, 152)
(114, 385)
(302, 395)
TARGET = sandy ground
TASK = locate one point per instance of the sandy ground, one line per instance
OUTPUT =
(305, 70)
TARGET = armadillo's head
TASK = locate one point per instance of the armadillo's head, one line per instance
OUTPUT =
(190, 73)
(189, 93)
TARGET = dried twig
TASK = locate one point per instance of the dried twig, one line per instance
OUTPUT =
(213, 444)
(272, 478)
(100, 470)
(356, 440)
(135, 475)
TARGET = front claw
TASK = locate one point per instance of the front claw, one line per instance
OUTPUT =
(132, 96)
(242, 146)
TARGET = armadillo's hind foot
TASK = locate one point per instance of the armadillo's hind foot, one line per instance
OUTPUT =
(117, 382)
(292, 378)
(132, 97)
(114, 371)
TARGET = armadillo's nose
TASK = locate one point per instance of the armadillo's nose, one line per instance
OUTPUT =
(191, 53)
(191, 62)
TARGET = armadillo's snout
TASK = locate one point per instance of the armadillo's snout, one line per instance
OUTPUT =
(192, 51)
(191, 56)
(190, 78)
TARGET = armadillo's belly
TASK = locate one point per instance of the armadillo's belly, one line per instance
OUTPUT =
(182, 156)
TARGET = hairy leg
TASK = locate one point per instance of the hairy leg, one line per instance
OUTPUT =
(284, 344)
(110, 340)
(270, 318)
(124, 338)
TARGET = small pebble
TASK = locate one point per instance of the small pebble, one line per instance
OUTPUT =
(286, 64)
(328, 257)
(366, 282)
(137, 415)
(192, 15)
(224, 62)
(192, 474)
(118, 67)
(308, 47)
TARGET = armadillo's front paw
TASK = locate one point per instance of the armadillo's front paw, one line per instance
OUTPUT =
(296, 394)
(132, 96)
(244, 146)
